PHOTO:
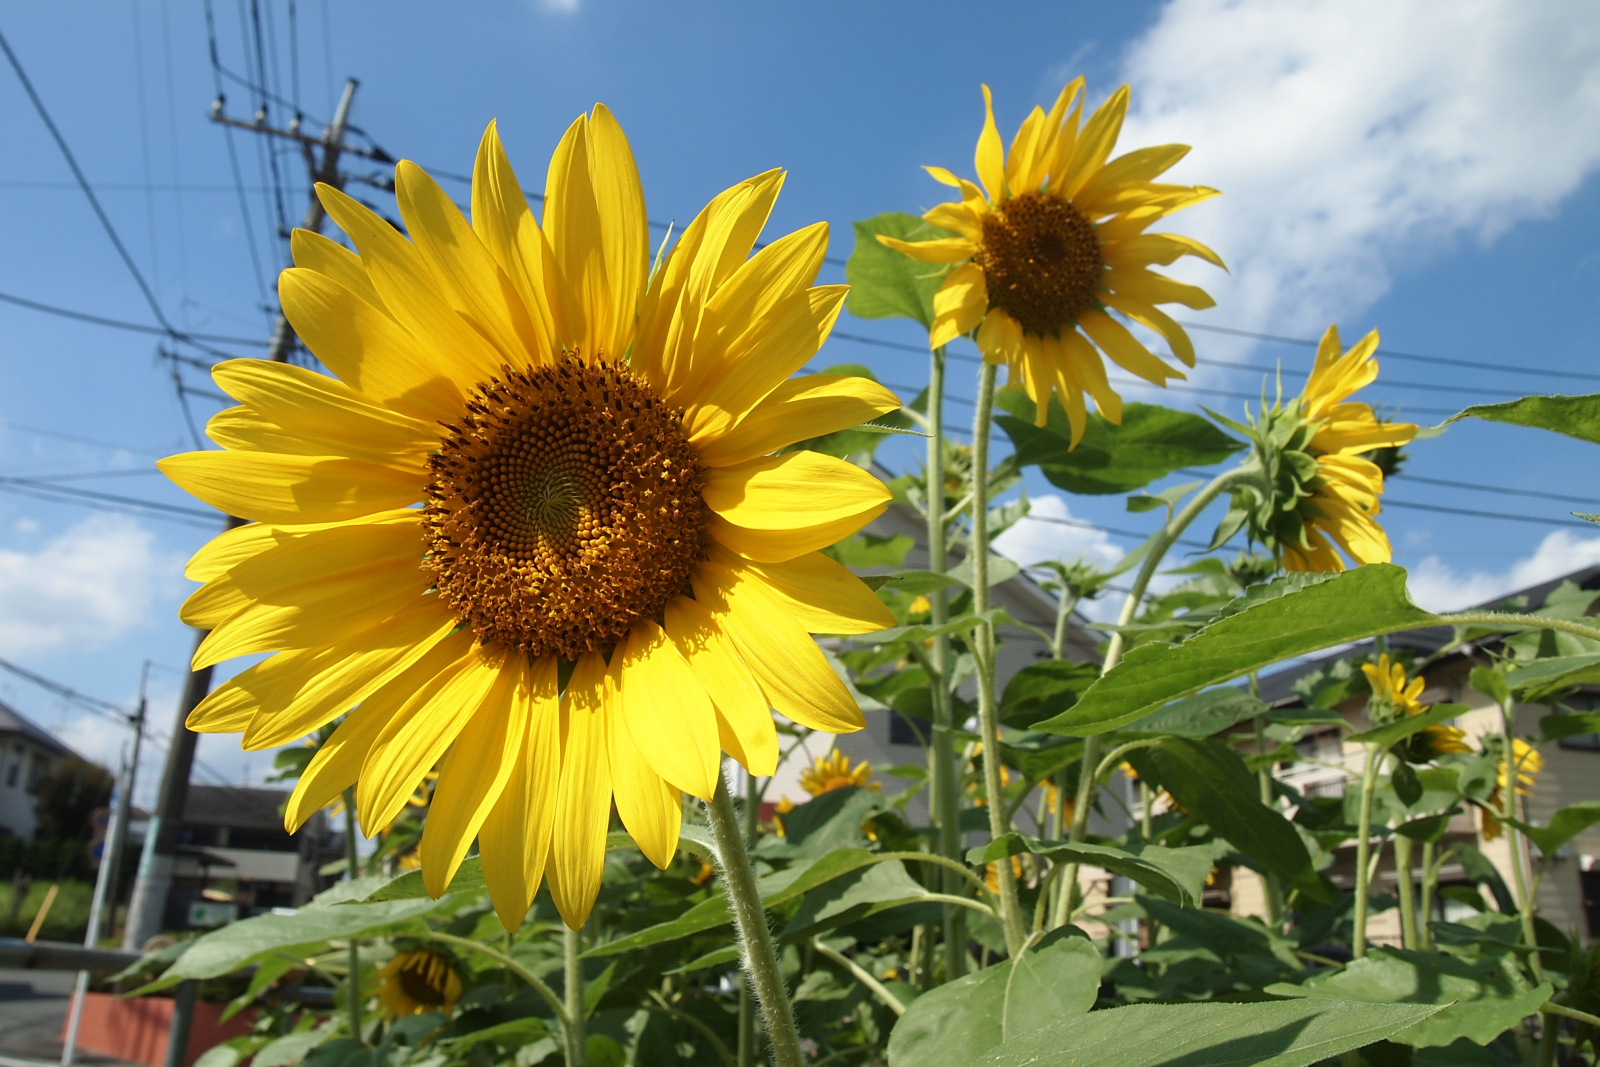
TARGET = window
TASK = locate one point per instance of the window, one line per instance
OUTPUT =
(901, 732)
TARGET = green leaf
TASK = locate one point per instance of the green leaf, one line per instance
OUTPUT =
(1204, 714)
(1564, 825)
(888, 284)
(408, 886)
(1042, 690)
(1555, 727)
(1387, 736)
(1267, 1034)
(1575, 416)
(1000, 570)
(1542, 679)
(859, 894)
(1151, 443)
(1209, 780)
(1429, 828)
(1406, 785)
(1178, 874)
(865, 550)
(1290, 616)
(243, 943)
(957, 1022)
(915, 583)
(1480, 999)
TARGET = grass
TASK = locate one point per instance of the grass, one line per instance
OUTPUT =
(68, 918)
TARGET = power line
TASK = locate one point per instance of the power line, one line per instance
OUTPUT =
(135, 327)
(42, 486)
(64, 691)
(1498, 489)
(40, 431)
(1488, 514)
(218, 71)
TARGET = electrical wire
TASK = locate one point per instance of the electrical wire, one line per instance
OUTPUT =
(1496, 489)
(1535, 519)
(217, 74)
(39, 431)
(39, 486)
(66, 692)
(135, 327)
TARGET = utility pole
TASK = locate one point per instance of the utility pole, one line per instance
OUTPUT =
(147, 908)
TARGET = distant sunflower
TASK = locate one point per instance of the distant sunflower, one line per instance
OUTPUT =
(833, 771)
(614, 571)
(418, 982)
(1389, 686)
(1054, 240)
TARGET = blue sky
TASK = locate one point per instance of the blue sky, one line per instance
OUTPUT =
(1426, 170)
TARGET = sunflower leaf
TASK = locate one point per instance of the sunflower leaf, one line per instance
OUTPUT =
(1178, 874)
(886, 284)
(1574, 416)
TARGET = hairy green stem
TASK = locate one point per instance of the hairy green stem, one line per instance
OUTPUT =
(1508, 802)
(747, 1008)
(1369, 783)
(755, 939)
(1130, 607)
(572, 960)
(944, 781)
(545, 992)
(983, 653)
(350, 859)
(1430, 879)
(1517, 622)
(862, 975)
(1409, 937)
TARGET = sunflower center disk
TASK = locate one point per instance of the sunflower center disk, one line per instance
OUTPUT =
(1041, 261)
(563, 507)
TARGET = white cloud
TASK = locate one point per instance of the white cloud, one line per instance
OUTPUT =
(562, 7)
(88, 586)
(1348, 135)
(1436, 586)
(1035, 539)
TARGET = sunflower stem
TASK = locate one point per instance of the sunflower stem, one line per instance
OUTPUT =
(1164, 540)
(1508, 803)
(355, 946)
(944, 792)
(572, 953)
(747, 1007)
(1409, 937)
(983, 649)
(1369, 784)
(1430, 878)
(755, 939)
(1273, 888)
(1503, 620)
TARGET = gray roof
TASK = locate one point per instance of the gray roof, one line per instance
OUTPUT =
(14, 724)
(234, 805)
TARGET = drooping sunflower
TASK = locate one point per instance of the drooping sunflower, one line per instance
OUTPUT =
(833, 771)
(613, 573)
(1400, 698)
(415, 982)
(1052, 241)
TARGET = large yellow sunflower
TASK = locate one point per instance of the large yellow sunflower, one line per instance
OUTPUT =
(614, 571)
(1343, 503)
(1054, 240)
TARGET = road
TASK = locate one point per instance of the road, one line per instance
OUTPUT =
(33, 1007)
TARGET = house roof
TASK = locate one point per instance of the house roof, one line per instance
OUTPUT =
(14, 724)
(233, 805)
(1278, 688)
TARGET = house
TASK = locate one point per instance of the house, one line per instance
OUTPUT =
(26, 753)
(235, 859)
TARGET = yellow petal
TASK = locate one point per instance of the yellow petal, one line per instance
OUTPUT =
(420, 731)
(368, 350)
(624, 230)
(297, 411)
(800, 408)
(269, 487)
(958, 304)
(1153, 288)
(515, 839)
(1089, 370)
(777, 507)
(744, 723)
(583, 794)
(1155, 319)
(572, 224)
(821, 595)
(1162, 248)
(785, 661)
(989, 159)
(411, 293)
(337, 763)
(937, 250)
(503, 222)
(474, 775)
(313, 251)
(666, 710)
(958, 217)
(463, 267)
(1140, 165)
(1093, 146)
(1124, 349)
(650, 808)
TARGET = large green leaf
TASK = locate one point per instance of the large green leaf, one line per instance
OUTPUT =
(1209, 780)
(861, 893)
(887, 284)
(1178, 874)
(1268, 1034)
(1291, 616)
(1151, 443)
(1044, 690)
(956, 1023)
(1202, 715)
(1555, 727)
(1541, 679)
(243, 943)
(1563, 826)
(1575, 416)
(1481, 998)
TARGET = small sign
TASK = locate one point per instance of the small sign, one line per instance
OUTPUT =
(212, 913)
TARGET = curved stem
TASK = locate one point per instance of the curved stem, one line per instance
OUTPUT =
(983, 652)
(1552, 1008)
(511, 965)
(748, 1037)
(1115, 756)
(930, 857)
(1518, 622)
(1130, 607)
(962, 902)
(572, 951)
(1369, 783)
(943, 799)
(862, 975)
(755, 939)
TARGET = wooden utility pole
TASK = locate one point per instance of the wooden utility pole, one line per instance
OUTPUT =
(147, 909)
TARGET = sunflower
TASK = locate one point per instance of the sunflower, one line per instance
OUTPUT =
(1399, 697)
(417, 982)
(613, 573)
(1052, 242)
(833, 771)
